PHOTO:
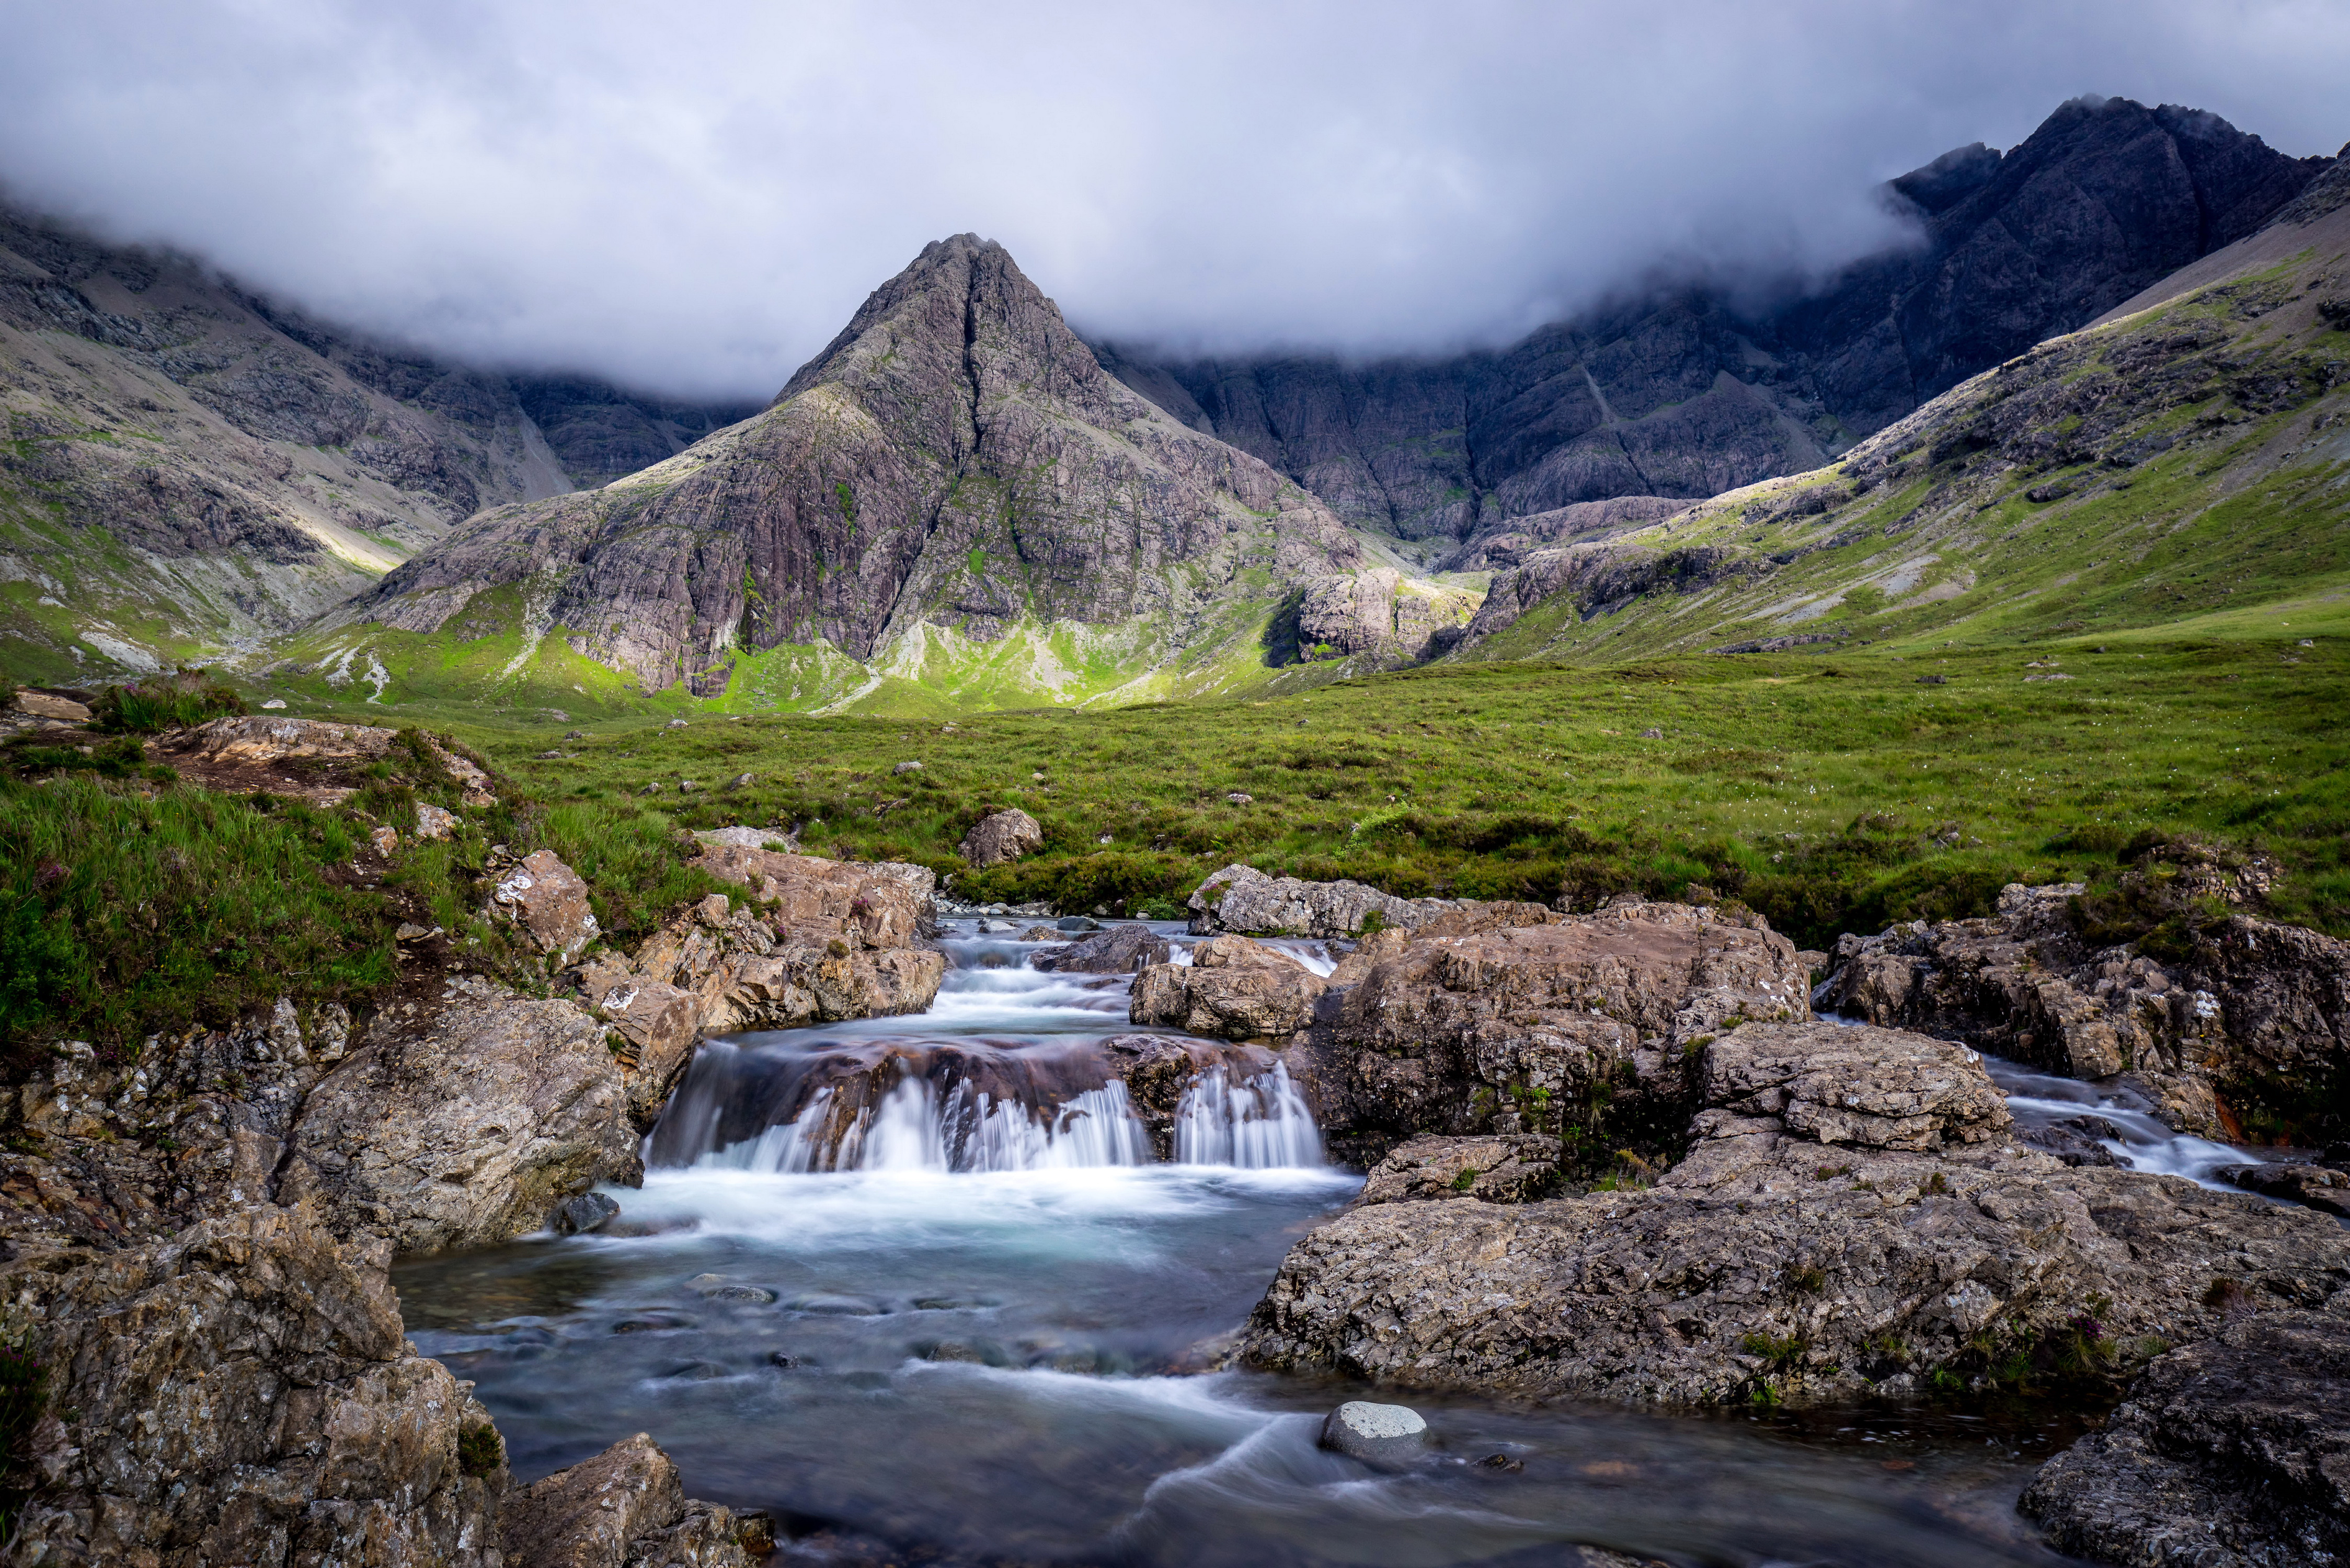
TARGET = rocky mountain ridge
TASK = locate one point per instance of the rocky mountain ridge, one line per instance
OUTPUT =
(953, 499)
(189, 467)
(1687, 392)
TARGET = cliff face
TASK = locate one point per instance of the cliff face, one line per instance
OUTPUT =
(185, 467)
(954, 483)
(1686, 394)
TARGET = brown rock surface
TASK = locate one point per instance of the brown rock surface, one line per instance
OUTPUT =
(1232, 989)
(1122, 950)
(241, 1394)
(549, 901)
(1002, 836)
(311, 758)
(1514, 1167)
(884, 904)
(625, 1508)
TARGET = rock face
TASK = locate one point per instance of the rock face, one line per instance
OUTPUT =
(1596, 580)
(2230, 1452)
(463, 1124)
(2252, 1005)
(1002, 836)
(282, 463)
(1379, 613)
(1688, 394)
(1243, 900)
(1514, 1167)
(934, 481)
(241, 1393)
(1579, 1026)
(623, 1509)
(1232, 989)
(1921, 1242)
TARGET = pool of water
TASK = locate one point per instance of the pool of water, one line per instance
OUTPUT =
(975, 1356)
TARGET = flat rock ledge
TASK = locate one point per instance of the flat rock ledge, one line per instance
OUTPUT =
(1851, 1219)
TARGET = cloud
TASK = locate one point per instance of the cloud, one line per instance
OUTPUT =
(694, 197)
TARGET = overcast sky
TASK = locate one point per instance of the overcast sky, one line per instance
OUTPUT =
(695, 197)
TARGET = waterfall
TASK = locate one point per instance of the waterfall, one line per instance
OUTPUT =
(1258, 1123)
(915, 1128)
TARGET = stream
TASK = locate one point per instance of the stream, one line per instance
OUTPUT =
(919, 1288)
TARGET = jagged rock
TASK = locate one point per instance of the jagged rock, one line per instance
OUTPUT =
(462, 1122)
(1874, 1088)
(2253, 1002)
(1515, 1167)
(1379, 613)
(1002, 836)
(241, 1394)
(588, 1212)
(549, 900)
(2230, 1453)
(2314, 1185)
(1503, 1026)
(1766, 1258)
(626, 1508)
(883, 904)
(1244, 900)
(1122, 950)
(2076, 1141)
(1232, 989)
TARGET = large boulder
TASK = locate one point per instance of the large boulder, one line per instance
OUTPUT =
(2246, 1007)
(241, 1393)
(1243, 900)
(549, 901)
(624, 1508)
(1232, 989)
(463, 1122)
(2234, 1452)
(1122, 950)
(1002, 836)
(1922, 1242)
(1514, 1167)
(881, 903)
(1578, 1025)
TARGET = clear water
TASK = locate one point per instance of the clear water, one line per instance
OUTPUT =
(995, 1365)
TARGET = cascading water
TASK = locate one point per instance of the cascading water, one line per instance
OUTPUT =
(1259, 1123)
(915, 1129)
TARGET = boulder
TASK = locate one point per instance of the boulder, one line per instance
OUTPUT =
(463, 1122)
(1000, 836)
(435, 822)
(1378, 1434)
(625, 1508)
(1122, 950)
(1241, 898)
(548, 900)
(579, 1216)
(1515, 1167)
(1507, 1027)
(884, 904)
(2318, 1185)
(241, 1393)
(1232, 989)
(1767, 1260)
(2234, 1451)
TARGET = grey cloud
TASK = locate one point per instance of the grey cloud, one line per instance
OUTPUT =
(694, 198)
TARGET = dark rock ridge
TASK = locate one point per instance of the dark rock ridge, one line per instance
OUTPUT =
(257, 460)
(954, 466)
(2232, 1453)
(1687, 393)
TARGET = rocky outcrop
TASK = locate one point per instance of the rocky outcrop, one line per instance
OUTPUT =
(547, 901)
(1919, 1243)
(934, 481)
(2249, 1008)
(1500, 544)
(1000, 837)
(318, 761)
(241, 1393)
(1601, 578)
(626, 1508)
(2231, 1453)
(462, 1123)
(1122, 950)
(1689, 393)
(1380, 614)
(1244, 900)
(1514, 1167)
(1577, 1025)
(1232, 989)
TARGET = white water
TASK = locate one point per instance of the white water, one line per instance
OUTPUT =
(1257, 1124)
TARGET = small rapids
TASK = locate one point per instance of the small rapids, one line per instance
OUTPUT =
(954, 1288)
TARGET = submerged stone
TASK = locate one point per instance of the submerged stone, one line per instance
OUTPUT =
(1376, 1434)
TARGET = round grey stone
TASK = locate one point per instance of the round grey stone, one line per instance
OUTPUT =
(1378, 1434)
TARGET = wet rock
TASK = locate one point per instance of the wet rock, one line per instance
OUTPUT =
(1241, 898)
(2076, 1141)
(1476, 1023)
(589, 1212)
(1518, 1168)
(1232, 989)
(1158, 1068)
(1376, 1434)
(464, 1122)
(1037, 934)
(549, 900)
(240, 1394)
(2231, 1452)
(1000, 836)
(1122, 950)
(626, 1508)
(1768, 1259)
(719, 1288)
(1077, 923)
(2314, 1185)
